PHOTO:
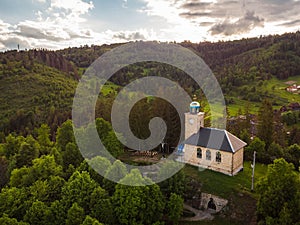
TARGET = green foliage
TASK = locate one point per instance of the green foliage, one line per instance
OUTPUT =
(5, 220)
(65, 135)
(14, 202)
(293, 155)
(245, 136)
(265, 128)
(37, 214)
(275, 151)
(12, 145)
(279, 190)
(90, 221)
(45, 166)
(44, 139)
(175, 208)
(42, 169)
(98, 165)
(78, 189)
(3, 171)
(258, 146)
(29, 150)
(21, 177)
(57, 213)
(48, 190)
(108, 137)
(137, 204)
(101, 206)
(117, 171)
(291, 118)
(174, 184)
(75, 215)
(71, 155)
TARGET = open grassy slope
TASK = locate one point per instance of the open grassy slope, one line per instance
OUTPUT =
(274, 88)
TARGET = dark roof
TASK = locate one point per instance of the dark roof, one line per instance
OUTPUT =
(215, 139)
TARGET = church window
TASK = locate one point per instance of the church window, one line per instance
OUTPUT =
(208, 155)
(218, 157)
(199, 153)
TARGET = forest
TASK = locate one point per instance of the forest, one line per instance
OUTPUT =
(45, 180)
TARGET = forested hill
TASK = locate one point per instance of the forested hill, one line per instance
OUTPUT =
(277, 55)
(234, 63)
(37, 86)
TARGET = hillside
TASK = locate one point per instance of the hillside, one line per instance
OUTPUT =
(240, 66)
(38, 85)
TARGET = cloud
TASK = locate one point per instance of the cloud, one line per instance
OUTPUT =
(291, 23)
(78, 7)
(191, 15)
(224, 18)
(196, 5)
(61, 23)
(133, 35)
(4, 27)
(124, 4)
(244, 24)
(206, 24)
(11, 42)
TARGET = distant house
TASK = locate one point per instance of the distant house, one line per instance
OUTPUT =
(211, 148)
(293, 89)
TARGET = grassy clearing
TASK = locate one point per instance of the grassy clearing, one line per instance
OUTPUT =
(218, 220)
(109, 88)
(223, 185)
(274, 89)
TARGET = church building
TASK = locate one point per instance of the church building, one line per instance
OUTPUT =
(210, 148)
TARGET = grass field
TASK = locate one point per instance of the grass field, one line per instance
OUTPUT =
(275, 90)
(223, 185)
(237, 189)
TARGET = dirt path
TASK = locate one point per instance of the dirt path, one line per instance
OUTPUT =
(199, 214)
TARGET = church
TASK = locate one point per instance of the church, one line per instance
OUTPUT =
(210, 148)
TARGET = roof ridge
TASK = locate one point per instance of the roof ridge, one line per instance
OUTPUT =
(213, 128)
(229, 141)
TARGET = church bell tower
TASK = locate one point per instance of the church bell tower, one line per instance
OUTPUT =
(194, 119)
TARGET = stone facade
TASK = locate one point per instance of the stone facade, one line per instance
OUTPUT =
(220, 203)
(231, 163)
(193, 122)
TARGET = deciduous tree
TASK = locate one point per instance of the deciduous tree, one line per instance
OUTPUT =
(279, 199)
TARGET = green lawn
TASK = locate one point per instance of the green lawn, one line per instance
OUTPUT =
(237, 189)
(218, 220)
(223, 185)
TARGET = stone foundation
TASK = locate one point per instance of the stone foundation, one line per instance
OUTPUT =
(219, 203)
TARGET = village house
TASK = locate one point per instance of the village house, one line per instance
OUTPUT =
(294, 88)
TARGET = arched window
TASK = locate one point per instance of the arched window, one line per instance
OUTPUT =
(208, 155)
(218, 157)
(199, 153)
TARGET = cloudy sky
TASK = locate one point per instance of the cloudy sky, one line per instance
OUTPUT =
(56, 24)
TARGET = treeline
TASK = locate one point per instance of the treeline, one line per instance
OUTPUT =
(267, 134)
(234, 63)
(27, 59)
(46, 182)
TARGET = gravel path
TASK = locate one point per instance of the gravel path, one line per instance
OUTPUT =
(199, 214)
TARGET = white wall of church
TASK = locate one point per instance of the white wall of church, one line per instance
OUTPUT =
(230, 163)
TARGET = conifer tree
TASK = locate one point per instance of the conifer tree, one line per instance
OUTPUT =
(265, 128)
